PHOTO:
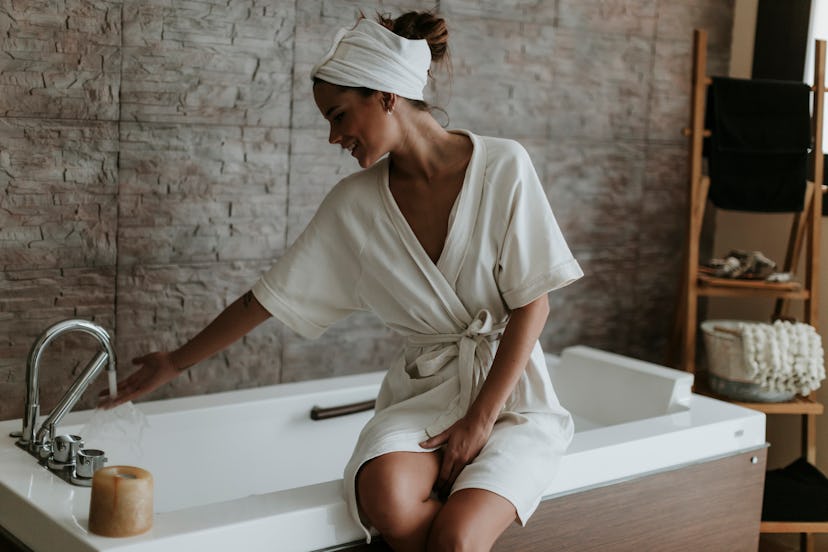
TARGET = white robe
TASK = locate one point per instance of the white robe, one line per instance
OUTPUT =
(502, 251)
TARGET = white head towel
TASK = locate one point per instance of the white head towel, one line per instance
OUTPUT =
(371, 56)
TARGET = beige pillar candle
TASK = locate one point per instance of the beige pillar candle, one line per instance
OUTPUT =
(121, 504)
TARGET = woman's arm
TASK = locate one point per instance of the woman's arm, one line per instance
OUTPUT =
(158, 368)
(464, 440)
(234, 322)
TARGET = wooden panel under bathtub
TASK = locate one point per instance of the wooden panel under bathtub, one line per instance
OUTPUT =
(713, 505)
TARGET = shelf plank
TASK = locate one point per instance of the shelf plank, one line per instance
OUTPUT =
(797, 405)
(711, 286)
(793, 527)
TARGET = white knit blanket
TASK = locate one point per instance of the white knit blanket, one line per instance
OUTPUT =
(783, 356)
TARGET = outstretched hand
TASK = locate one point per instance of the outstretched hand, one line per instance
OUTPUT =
(461, 443)
(155, 370)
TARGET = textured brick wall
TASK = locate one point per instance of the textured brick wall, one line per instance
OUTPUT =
(156, 156)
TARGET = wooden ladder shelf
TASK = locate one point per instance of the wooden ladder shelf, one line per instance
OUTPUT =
(805, 231)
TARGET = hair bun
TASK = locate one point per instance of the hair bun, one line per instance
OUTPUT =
(420, 25)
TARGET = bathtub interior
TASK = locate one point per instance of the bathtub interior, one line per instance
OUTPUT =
(236, 448)
(603, 389)
(211, 449)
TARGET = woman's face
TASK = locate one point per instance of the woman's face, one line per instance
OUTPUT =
(358, 123)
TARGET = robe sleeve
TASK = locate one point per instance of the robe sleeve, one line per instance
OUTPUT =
(534, 257)
(314, 284)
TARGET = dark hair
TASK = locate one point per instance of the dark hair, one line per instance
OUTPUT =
(420, 25)
(415, 25)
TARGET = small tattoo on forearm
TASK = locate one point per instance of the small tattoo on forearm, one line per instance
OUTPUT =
(247, 299)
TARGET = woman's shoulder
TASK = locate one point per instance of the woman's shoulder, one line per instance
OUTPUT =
(500, 150)
(507, 166)
(358, 188)
(347, 211)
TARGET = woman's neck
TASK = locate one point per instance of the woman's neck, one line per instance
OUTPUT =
(427, 151)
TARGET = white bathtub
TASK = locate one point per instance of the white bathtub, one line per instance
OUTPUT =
(250, 470)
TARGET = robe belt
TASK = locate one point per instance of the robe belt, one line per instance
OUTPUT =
(470, 347)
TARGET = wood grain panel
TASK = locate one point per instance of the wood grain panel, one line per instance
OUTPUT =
(710, 506)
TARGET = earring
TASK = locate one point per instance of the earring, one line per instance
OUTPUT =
(389, 111)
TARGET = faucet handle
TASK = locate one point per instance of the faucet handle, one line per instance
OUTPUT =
(64, 451)
(89, 461)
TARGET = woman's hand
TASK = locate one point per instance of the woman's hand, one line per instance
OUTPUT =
(155, 370)
(461, 442)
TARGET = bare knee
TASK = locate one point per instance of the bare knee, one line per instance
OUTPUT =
(393, 516)
(392, 500)
(453, 537)
(471, 520)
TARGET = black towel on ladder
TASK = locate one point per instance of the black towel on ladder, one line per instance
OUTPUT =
(758, 149)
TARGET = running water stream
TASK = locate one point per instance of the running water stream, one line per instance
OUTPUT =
(113, 384)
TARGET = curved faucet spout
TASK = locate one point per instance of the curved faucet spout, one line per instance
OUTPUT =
(32, 407)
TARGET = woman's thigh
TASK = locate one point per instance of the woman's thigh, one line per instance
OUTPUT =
(395, 485)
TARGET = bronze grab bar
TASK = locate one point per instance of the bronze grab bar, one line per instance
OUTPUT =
(320, 413)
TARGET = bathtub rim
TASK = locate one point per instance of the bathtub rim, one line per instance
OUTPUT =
(324, 500)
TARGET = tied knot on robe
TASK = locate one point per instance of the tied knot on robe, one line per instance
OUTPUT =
(471, 347)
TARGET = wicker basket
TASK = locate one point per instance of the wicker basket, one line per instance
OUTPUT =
(727, 373)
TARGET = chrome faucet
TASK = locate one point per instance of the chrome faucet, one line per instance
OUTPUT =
(40, 443)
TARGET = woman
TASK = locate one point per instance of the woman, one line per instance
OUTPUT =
(449, 238)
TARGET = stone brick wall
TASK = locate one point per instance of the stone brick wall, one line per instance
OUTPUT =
(156, 157)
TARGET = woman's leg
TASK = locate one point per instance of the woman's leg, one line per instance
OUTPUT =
(394, 493)
(471, 519)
